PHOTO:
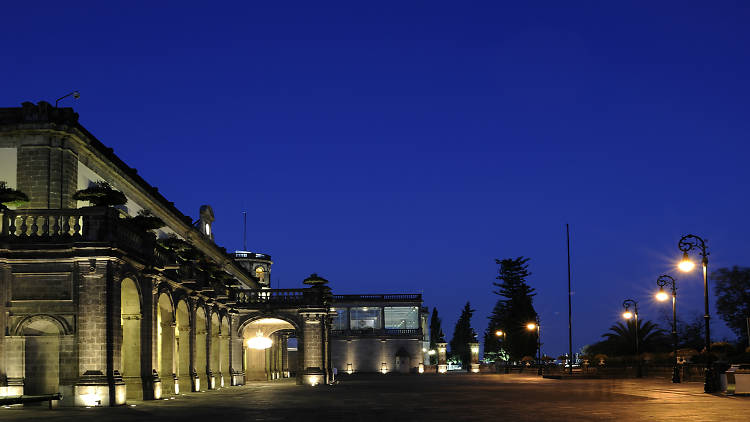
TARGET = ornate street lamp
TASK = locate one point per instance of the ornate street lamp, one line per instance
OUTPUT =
(627, 314)
(686, 244)
(665, 280)
(531, 327)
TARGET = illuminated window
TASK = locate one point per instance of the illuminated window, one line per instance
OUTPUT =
(340, 321)
(406, 317)
(365, 318)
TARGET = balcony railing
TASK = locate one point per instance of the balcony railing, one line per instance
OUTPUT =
(381, 332)
(280, 297)
(379, 298)
(91, 224)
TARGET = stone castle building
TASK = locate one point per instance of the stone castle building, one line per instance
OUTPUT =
(102, 309)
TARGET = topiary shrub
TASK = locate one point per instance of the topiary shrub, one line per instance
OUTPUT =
(101, 194)
(11, 197)
(147, 221)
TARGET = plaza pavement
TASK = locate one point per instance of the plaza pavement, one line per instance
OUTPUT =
(452, 397)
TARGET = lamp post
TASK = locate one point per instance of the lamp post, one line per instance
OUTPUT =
(531, 327)
(627, 314)
(75, 95)
(502, 334)
(686, 244)
(665, 280)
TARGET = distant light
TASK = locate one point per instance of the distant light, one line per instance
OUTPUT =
(431, 352)
(627, 315)
(531, 326)
(499, 333)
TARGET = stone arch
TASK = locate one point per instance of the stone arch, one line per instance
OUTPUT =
(62, 325)
(165, 340)
(41, 353)
(183, 321)
(130, 347)
(402, 361)
(269, 363)
(201, 347)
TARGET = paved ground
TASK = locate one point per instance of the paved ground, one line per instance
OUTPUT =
(455, 397)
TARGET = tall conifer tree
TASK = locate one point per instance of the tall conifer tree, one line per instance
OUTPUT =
(436, 334)
(513, 311)
(463, 334)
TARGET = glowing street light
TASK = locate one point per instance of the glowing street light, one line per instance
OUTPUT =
(686, 265)
(665, 280)
(531, 327)
(499, 333)
(629, 315)
(686, 244)
(662, 296)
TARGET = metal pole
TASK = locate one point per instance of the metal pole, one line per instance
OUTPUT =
(675, 369)
(685, 244)
(244, 231)
(709, 385)
(639, 372)
(570, 309)
(539, 346)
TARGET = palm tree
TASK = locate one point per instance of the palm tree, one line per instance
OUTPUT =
(622, 337)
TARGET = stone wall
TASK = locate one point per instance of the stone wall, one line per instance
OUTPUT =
(368, 354)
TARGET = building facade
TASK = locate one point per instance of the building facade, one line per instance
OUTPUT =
(104, 308)
(379, 333)
(101, 309)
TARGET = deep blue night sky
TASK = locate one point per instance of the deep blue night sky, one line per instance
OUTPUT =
(403, 146)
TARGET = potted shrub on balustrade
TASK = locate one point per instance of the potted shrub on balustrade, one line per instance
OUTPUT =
(101, 194)
(10, 197)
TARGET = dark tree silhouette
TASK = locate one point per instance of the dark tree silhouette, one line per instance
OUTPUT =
(620, 340)
(436, 334)
(732, 289)
(513, 311)
(463, 334)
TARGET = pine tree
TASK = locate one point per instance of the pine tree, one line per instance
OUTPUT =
(463, 334)
(513, 311)
(436, 334)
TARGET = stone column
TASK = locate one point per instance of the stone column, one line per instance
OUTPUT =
(314, 369)
(195, 381)
(474, 365)
(149, 339)
(99, 335)
(284, 355)
(442, 366)
(236, 364)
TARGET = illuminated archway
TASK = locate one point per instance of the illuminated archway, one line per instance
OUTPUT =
(42, 356)
(165, 343)
(184, 378)
(201, 364)
(263, 364)
(130, 350)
